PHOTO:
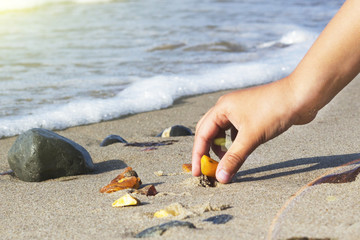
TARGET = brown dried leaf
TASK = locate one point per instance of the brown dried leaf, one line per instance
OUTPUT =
(124, 183)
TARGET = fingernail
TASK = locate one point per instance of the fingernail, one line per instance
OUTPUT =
(223, 176)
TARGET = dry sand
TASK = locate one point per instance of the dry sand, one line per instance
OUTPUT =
(73, 207)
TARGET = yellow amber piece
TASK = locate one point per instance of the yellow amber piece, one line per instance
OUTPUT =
(126, 200)
(170, 211)
(220, 141)
(208, 166)
(162, 213)
(187, 167)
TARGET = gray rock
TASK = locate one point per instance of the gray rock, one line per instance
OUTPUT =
(112, 139)
(175, 131)
(219, 219)
(40, 154)
(159, 230)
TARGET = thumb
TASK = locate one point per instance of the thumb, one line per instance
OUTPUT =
(233, 159)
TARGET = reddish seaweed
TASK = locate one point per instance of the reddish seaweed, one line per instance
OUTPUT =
(150, 144)
(345, 177)
(9, 172)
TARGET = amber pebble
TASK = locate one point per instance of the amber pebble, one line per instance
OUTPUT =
(148, 190)
(187, 167)
(174, 210)
(126, 200)
(208, 166)
(128, 172)
(124, 183)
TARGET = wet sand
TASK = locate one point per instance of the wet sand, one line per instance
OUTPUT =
(73, 207)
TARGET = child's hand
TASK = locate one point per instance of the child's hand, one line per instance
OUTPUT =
(254, 115)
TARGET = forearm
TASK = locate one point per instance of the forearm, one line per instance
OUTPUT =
(331, 63)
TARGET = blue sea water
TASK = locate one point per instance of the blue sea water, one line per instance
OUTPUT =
(71, 62)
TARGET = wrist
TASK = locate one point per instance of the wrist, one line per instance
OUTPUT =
(305, 102)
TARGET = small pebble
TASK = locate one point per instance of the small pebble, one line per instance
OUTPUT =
(175, 131)
(159, 173)
(111, 139)
(219, 219)
(148, 190)
(159, 230)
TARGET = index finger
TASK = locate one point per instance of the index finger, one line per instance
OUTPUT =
(207, 129)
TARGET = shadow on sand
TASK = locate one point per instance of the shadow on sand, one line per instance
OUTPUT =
(296, 166)
(109, 165)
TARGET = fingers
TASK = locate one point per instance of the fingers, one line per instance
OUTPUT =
(207, 129)
(234, 158)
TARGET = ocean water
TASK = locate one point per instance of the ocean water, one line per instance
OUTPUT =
(65, 63)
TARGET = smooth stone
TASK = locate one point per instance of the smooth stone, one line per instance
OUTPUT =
(40, 154)
(175, 131)
(159, 230)
(112, 139)
(219, 219)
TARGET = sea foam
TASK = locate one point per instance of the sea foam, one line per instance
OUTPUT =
(161, 91)
(17, 5)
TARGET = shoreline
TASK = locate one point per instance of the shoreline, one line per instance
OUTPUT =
(72, 207)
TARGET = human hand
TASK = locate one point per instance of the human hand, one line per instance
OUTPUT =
(258, 114)
(254, 115)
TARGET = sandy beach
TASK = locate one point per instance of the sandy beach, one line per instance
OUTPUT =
(267, 199)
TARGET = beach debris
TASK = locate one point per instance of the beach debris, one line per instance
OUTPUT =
(159, 230)
(111, 139)
(159, 173)
(126, 200)
(128, 172)
(187, 167)
(40, 154)
(208, 166)
(151, 144)
(175, 131)
(331, 198)
(345, 177)
(219, 219)
(148, 190)
(127, 179)
(201, 181)
(181, 212)
(307, 238)
(8, 172)
(174, 210)
(125, 183)
(173, 194)
(149, 149)
(220, 141)
(205, 181)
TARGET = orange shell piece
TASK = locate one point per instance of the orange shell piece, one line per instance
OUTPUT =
(124, 183)
(121, 175)
(208, 166)
(187, 167)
